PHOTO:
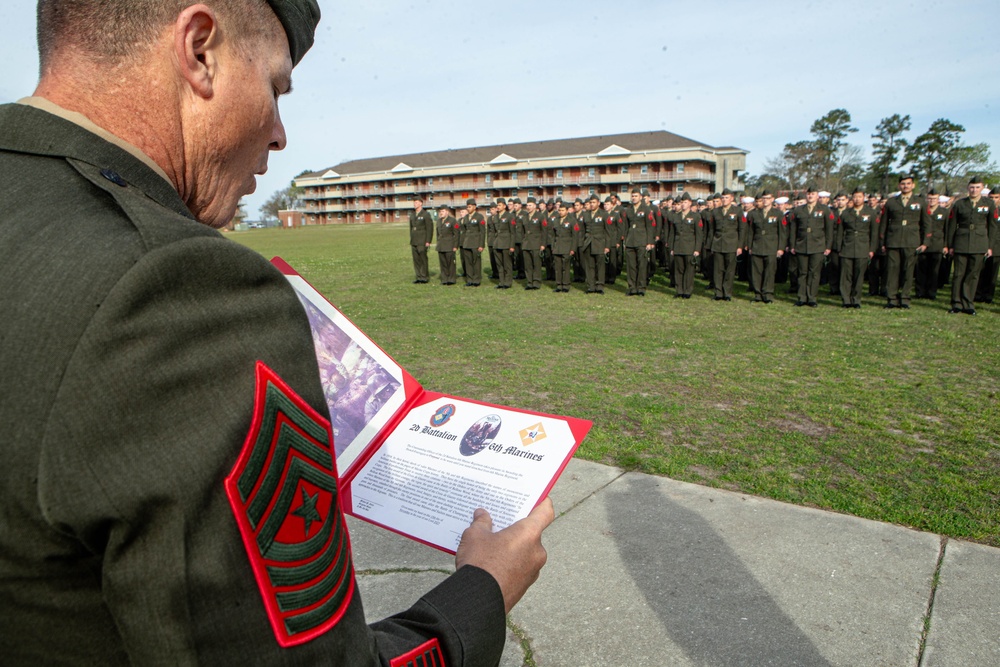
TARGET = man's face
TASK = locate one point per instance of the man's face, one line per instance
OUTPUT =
(727, 200)
(766, 201)
(975, 189)
(685, 205)
(232, 139)
(501, 207)
(531, 207)
(562, 210)
(417, 205)
(608, 205)
(470, 209)
(636, 198)
(444, 212)
(812, 197)
(858, 199)
(841, 201)
(577, 207)
(517, 206)
(906, 186)
(995, 196)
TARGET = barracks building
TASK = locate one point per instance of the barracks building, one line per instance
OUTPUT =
(382, 189)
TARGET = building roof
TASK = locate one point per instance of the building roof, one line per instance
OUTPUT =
(620, 144)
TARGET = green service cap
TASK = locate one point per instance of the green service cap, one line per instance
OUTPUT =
(299, 19)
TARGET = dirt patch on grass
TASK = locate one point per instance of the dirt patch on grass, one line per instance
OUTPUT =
(804, 425)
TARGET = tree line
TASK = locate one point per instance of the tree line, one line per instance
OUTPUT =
(938, 158)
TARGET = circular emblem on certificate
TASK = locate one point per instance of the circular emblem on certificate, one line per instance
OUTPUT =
(479, 435)
(443, 414)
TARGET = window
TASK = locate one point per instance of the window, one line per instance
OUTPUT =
(430, 181)
(592, 191)
(376, 187)
(430, 197)
(489, 179)
(623, 188)
(513, 175)
(558, 173)
(397, 215)
(680, 187)
(644, 169)
(558, 192)
(377, 215)
(531, 175)
(680, 167)
(531, 193)
(624, 168)
(591, 172)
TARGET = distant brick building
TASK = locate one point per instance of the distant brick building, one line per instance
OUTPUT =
(291, 218)
(382, 189)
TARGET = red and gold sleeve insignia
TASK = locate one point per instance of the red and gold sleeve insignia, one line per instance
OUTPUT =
(283, 492)
(427, 654)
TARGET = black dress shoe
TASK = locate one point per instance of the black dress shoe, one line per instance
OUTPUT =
(857, 306)
(969, 311)
(768, 300)
(955, 311)
(598, 291)
(727, 298)
(642, 293)
(687, 296)
(889, 306)
(717, 298)
(799, 304)
(904, 306)
(812, 304)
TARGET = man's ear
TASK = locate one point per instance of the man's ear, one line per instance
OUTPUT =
(196, 41)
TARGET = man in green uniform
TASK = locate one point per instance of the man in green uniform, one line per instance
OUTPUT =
(767, 235)
(618, 235)
(857, 234)
(563, 237)
(146, 356)
(927, 274)
(520, 216)
(640, 234)
(991, 267)
(491, 238)
(447, 245)
(595, 245)
(684, 237)
(532, 245)
(810, 230)
(727, 230)
(503, 241)
(421, 235)
(904, 228)
(473, 240)
(970, 237)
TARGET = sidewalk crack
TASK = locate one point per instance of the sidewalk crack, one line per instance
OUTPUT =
(524, 642)
(925, 631)
(591, 495)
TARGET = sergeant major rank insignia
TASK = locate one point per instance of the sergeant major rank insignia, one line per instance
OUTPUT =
(283, 492)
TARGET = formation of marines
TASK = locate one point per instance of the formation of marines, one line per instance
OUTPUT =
(899, 243)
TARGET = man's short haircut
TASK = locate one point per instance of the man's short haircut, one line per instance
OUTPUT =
(112, 31)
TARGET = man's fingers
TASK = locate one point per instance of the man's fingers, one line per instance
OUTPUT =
(482, 519)
(542, 515)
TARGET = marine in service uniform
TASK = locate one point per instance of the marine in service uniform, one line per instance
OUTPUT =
(447, 245)
(857, 240)
(970, 238)
(685, 239)
(618, 230)
(928, 271)
(521, 216)
(904, 230)
(473, 240)
(532, 245)
(810, 229)
(987, 287)
(727, 230)
(503, 242)
(421, 235)
(640, 234)
(596, 244)
(491, 236)
(150, 357)
(767, 232)
(833, 261)
(563, 237)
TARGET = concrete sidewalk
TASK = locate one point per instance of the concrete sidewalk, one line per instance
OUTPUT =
(645, 570)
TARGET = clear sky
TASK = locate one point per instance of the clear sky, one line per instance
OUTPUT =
(388, 77)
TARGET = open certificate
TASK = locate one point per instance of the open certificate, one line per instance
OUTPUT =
(418, 462)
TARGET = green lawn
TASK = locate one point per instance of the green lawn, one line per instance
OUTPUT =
(888, 415)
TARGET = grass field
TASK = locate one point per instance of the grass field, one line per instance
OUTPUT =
(888, 415)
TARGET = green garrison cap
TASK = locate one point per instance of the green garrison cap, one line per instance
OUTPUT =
(299, 19)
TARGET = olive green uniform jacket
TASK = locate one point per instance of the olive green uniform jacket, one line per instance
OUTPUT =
(767, 232)
(858, 232)
(474, 230)
(810, 232)
(640, 226)
(131, 338)
(904, 226)
(447, 234)
(421, 228)
(972, 228)
(727, 229)
(687, 234)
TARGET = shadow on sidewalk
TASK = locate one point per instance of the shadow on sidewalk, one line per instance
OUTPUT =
(710, 605)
